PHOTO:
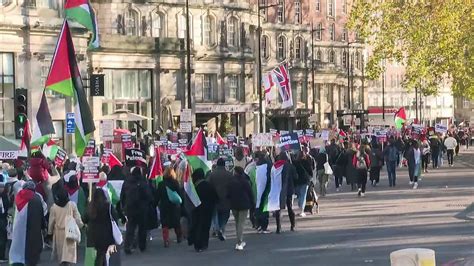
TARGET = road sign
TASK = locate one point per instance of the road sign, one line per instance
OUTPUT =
(70, 123)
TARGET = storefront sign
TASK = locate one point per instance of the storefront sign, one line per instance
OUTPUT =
(262, 140)
(91, 166)
(134, 157)
(8, 155)
(96, 84)
(289, 142)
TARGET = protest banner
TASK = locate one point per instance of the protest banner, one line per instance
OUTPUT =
(172, 148)
(90, 148)
(60, 158)
(135, 157)
(440, 128)
(90, 172)
(289, 142)
(262, 140)
(212, 151)
(325, 135)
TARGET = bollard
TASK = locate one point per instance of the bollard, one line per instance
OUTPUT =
(413, 257)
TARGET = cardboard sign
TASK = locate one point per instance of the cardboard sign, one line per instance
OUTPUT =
(262, 140)
(106, 130)
(91, 166)
(90, 148)
(440, 128)
(127, 141)
(212, 152)
(8, 155)
(309, 133)
(60, 158)
(325, 135)
(135, 157)
(289, 142)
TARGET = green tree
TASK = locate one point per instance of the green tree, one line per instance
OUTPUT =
(433, 39)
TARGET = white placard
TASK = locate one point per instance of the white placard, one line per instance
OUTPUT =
(440, 128)
(186, 116)
(262, 140)
(325, 135)
(106, 129)
(186, 127)
(8, 155)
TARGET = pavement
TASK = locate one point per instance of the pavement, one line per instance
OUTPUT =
(350, 230)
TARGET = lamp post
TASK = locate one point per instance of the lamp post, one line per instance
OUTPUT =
(188, 57)
(259, 67)
(312, 65)
(349, 68)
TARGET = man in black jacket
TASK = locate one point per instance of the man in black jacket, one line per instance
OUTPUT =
(288, 179)
(263, 181)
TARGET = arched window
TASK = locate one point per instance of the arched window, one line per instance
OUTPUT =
(182, 26)
(299, 48)
(281, 47)
(319, 56)
(332, 32)
(209, 30)
(265, 47)
(332, 56)
(233, 32)
(158, 25)
(281, 11)
(131, 22)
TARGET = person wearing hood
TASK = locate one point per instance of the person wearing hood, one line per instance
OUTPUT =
(75, 192)
(27, 236)
(202, 214)
(108, 189)
(323, 178)
(39, 167)
(64, 250)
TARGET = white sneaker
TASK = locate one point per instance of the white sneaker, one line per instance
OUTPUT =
(243, 244)
(239, 247)
(362, 194)
(411, 183)
(302, 214)
(415, 186)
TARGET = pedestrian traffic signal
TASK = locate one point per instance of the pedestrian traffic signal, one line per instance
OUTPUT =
(21, 111)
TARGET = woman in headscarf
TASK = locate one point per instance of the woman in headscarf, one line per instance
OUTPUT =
(323, 178)
(64, 250)
(76, 192)
(240, 160)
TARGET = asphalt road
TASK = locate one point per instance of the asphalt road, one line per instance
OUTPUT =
(351, 230)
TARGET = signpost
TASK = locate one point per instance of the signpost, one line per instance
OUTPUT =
(70, 123)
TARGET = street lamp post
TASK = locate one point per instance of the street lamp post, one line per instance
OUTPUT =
(188, 57)
(349, 69)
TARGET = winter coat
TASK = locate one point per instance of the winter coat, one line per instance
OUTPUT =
(65, 250)
(350, 170)
(170, 213)
(136, 196)
(99, 228)
(376, 158)
(239, 193)
(38, 170)
(220, 179)
(304, 175)
(321, 159)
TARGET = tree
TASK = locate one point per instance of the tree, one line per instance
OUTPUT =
(433, 39)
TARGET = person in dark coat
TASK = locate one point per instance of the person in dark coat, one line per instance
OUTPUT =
(413, 157)
(288, 179)
(4, 206)
(339, 167)
(376, 162)
(241, 200)
(220, 178)
(201, 216)
(27, 234)
(116, 173)
(351, 173)
(170, 213)
(136, 198)
(304, 174)
(99, 225)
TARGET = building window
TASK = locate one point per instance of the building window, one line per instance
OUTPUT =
(131, 22)
(263, 9)
(357, 62)
(233, 86)
(233, 32)
(331, 8)
(298, 11)
(265, 47)
(281, 11)
(344, 35)
(344, 6)
(319, 31)
(159, 25)
(332, 56)
(318, 5)
(281, 47)
(344, 59)
(7, 85)
(332, 32)
(44, 3)
(209, 29)
(319, 56)
(299, 49)
(181, 26)
(207, 88)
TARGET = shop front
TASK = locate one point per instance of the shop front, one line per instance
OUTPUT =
(287, 119)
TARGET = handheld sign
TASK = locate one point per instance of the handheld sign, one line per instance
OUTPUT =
(135, 157)
(90, 148)
(440, 128)
(60, 158)
(262, 140)
(212, 151)
(289, 142)
(91, 169)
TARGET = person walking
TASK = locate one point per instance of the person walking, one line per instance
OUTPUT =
(426, 153)
(98, 218)
(5, 205)
(241, 200)
(201, 216)
(339, 168)
(263, 181)
(361, 161)
(135, 198)
(220, 178)
(240, 160)
(450, 143)
(304, 173)
(170, 209)
(64, 250)
(323, 178)
(435, 147)
(376, 162)
(350, 171)
(391, 155)
(414, 163)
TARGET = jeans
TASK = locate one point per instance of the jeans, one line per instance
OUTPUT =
(362, 179)
(391, 171)
(240, 216)
(425, 160)
(450, 154)
(435, 159)
(415, 174)
(291, 214)
(262, 219)
(301, 193)
(221, 217)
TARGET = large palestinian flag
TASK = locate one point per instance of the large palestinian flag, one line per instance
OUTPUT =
(400, 118)
(81, 12)
(189, 187)
(26, 234)
(42, 124)
(275, 189)
(156, 170)
(64, 77)
(197, 153)
(261, 180)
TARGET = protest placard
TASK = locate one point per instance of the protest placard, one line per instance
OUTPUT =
(134, 157)
(325, 135)
(309, 133)
(440, 128)
(262, 140)
(273, 131)
(289, 142)
(60, 158)
(231, 140)
(212, 151)
(90, 148)
(90, 172)
(226, 151)
(172, 148)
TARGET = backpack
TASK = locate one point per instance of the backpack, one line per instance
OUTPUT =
(361, 164)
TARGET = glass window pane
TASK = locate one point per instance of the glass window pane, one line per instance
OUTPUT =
(145, 86)
(7, 64)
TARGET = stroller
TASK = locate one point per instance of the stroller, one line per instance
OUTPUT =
(311, 199)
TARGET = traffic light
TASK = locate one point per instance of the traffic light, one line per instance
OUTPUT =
(21, 111)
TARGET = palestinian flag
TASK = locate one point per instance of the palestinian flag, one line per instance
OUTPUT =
(197, 153)
(400, 118)
(25, 140)
(25, 232)
(219, 139)
(109, 191)
(78, 196)
(189, 187)
(81, 12)
(261, 181)
(42, 124)
(275, 189)
(64, 77)
(251, 171)
(50, 149)
(156, 170)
